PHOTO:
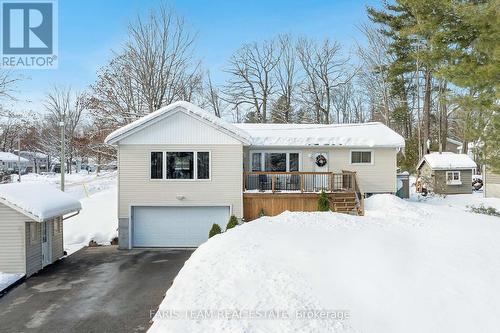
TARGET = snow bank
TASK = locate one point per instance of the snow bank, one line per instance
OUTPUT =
(439, 273)
(6, 279)
(97, 221)
(40, 200)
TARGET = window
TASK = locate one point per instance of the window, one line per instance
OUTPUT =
(275, 161)
(294, 162)
(156, 165)
(203, 164)
(33, 231)
(256, 162)
(361, 157)
(180, 165)
(453, 178)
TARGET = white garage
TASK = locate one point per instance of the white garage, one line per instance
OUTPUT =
(175, 226)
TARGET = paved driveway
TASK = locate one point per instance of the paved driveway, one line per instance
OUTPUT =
(94, 290)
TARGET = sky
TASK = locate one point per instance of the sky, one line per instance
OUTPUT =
(90, 30)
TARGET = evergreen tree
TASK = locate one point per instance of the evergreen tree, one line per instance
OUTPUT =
(215, 230)
(233, 222)
(323, 202)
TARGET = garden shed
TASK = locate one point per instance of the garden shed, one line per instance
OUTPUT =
(446, 173)
(31, 226)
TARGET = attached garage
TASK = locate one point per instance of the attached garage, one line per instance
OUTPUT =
(175, 226)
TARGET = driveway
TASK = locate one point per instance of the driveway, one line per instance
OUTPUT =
(97, 289)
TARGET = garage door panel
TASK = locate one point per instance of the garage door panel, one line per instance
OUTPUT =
(175, 226)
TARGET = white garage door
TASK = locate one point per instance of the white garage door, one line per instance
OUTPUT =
(175, 226)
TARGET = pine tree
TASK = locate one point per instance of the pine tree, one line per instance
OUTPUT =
(215, 230)
(233, 222)
(323, 202)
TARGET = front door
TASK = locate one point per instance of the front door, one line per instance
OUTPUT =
(321, 165)
(46, 248)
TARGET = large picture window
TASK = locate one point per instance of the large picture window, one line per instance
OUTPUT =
(180, 165)
(157, 165)
(361, 157)
(275, 161)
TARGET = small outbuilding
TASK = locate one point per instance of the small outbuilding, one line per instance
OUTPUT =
(31, 226)
(445, 173)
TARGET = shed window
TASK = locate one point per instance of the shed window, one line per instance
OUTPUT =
(33, 232)
(361, 157)
(453, 178)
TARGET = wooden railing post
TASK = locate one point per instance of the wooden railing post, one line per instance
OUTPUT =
(301, 183)
(273, 183)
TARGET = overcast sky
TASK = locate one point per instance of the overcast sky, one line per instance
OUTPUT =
(90, 29)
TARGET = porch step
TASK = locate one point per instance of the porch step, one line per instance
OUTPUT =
(344, 202)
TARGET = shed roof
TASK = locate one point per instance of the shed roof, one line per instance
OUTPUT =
(40, 202)
(447, 161)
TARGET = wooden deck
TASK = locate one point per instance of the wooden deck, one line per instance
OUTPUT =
(271, 193)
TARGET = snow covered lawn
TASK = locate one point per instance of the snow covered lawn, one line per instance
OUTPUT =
(98, 218)
(407, 266)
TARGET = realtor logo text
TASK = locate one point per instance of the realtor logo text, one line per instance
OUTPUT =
(29, 34)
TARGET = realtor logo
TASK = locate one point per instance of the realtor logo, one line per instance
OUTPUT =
(28, 35)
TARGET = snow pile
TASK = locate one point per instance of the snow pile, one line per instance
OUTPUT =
(440, 274)
(40, 200)
(349, 135)
(448, 160)
(98, 221)
(6, 279)
(184, 106)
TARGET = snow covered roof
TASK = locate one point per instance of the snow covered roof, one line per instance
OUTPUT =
(164, 111)
(9, 157)
(38, 201)
(344, 135)
(446, 160)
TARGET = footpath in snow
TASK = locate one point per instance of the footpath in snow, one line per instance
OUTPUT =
(407, 266)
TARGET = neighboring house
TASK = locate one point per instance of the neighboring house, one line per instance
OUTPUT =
(491, 183)
(181, 169)
(452, 145)
(446, 173)
(10, 163)
(38, 162)
(31, 226)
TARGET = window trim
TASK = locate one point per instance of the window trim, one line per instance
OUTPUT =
(195, 165)
(362, 150)
(453, 181)
(263, 159)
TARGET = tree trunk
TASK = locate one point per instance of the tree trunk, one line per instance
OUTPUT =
(427, 110)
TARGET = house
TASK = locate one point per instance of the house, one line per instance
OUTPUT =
(10, 163)
(446, 173)
(38, 162)
(452, 145)
(181, 169)
(31, 226)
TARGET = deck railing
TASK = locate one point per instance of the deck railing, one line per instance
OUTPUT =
(302, 182)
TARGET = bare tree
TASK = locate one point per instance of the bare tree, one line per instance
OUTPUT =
(252, 80)
(62, 104)
(154, 68)
(324, 71)
(212, 98)
(286, 77)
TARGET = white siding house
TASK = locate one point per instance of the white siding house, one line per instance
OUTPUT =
(182, 169)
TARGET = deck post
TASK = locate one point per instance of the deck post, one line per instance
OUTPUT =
(301, 183)
(273, 183)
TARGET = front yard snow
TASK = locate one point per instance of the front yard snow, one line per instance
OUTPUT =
(6, 279)
(407, 266)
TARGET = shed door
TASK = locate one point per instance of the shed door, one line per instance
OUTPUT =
(175, 226)
(46, 244)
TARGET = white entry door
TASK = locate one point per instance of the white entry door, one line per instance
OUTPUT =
(175, 226)
(46, 246)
